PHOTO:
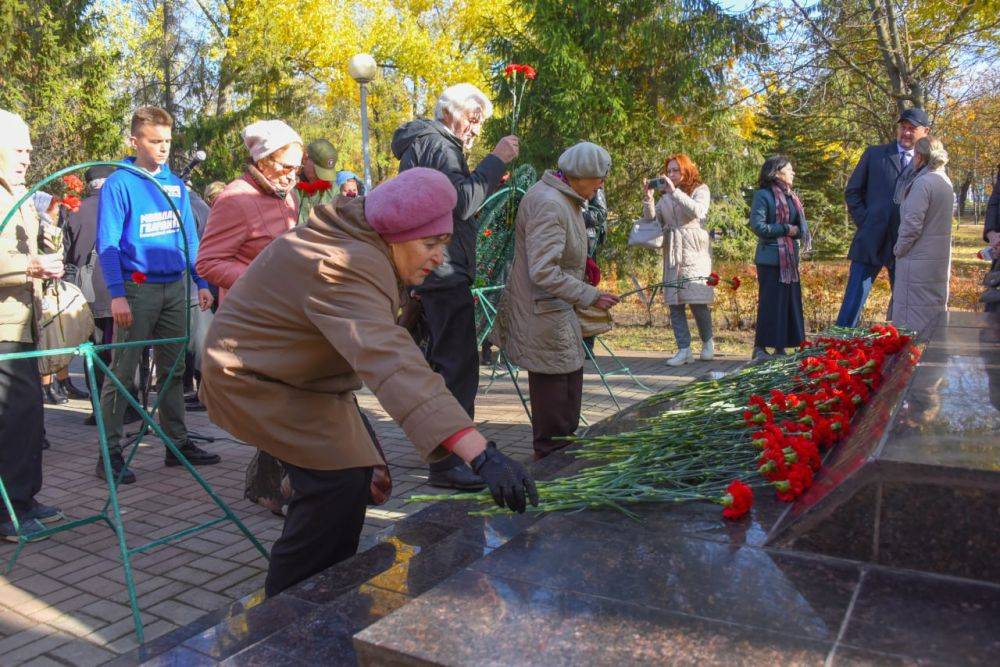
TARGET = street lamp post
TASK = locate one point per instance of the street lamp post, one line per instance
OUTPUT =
(363, 69)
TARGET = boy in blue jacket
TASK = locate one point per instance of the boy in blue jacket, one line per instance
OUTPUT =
(141, 250)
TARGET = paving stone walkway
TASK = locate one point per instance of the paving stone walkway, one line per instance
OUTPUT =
(65, 602)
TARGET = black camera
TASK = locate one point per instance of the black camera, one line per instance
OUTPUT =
(656, 183)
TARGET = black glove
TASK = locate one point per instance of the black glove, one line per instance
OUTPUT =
(507, 479)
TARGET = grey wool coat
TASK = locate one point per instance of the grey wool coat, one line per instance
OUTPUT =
(687, 248)
(923, 251)
(537, 324)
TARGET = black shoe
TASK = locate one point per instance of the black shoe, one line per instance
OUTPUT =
(195, 455)
(29, 530)
(197, 406)
(91, 420)
(53, 396)
(460, 477)
(43, 513)
(117, 465)
(72, 391)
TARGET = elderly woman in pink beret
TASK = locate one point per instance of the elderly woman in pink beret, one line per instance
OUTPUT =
(312, 319)
(254, 209)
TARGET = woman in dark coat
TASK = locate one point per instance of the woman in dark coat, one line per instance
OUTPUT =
(776, 217)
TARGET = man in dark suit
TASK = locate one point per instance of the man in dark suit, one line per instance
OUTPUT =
(872, 195)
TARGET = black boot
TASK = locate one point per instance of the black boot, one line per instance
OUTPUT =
(52, 395)
(195, 455)
(117, 466)
(72, 391)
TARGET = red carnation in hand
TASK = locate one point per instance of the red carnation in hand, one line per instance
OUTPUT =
(138, 277)
(734, 283)
(713, 279)
(305, 187)
(71, 202)
(73, 183)
(738, 500)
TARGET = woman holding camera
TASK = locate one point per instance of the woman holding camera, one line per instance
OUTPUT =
(776, 217)
(681, 212)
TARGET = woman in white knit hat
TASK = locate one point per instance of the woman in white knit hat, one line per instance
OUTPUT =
(537, 324)
(254, 209)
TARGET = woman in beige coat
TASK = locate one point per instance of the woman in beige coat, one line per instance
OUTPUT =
(537, 325)
(923, 247)
(681, 212)
(312, 318)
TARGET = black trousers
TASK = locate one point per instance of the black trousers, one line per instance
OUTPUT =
(555, 409)
(22, 423)
(322, 525)
(449, 320)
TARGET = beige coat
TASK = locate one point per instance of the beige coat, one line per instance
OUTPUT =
(312, 318)
(687, 250)
(20, 303)
(536, 323)
(923, 251)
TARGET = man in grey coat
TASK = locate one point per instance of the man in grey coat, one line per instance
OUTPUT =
(872, 195)
(448, 311)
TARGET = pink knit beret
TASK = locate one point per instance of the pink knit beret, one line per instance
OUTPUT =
(416, 204)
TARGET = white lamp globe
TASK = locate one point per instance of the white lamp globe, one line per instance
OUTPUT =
(362, 68)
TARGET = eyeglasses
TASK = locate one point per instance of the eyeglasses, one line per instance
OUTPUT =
(283, 168)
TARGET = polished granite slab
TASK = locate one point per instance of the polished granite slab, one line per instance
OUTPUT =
(848, 584)
(917, 485)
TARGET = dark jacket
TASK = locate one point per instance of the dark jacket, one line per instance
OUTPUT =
(768, 231)
(870, 197)
(81, 236)
(428, 143)
(993, 210)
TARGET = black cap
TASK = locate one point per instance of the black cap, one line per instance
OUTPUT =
(97, 172)
(916, 117)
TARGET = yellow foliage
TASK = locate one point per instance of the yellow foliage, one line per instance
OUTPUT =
(421, 46)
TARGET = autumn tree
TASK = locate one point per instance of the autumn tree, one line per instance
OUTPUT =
(57, 74)
(643, 78)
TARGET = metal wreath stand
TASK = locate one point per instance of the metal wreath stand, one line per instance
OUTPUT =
(91, 359)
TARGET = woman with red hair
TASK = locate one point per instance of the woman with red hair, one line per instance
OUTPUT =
(682, 210)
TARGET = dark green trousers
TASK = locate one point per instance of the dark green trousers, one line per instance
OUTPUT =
(159, 311)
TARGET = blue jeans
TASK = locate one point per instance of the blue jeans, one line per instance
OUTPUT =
(859, 285)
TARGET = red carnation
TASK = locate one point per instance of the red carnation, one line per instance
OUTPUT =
(734, 283)
(529, 72)
(488, 232)
(738, 500)
(319, 185)
(509, 70)
(138, 277)
(713, 279)
(305, 187)
(73, 183)
(71, 202)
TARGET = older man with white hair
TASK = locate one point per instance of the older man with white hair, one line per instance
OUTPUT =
(446, 297)
(22, 267)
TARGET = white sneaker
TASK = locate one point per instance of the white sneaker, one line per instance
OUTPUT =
(708, 350)
(682, 357)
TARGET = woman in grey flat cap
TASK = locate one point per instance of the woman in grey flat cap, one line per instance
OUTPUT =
(537, 325)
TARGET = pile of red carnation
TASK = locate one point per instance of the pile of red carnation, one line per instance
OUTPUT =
(792, 429)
